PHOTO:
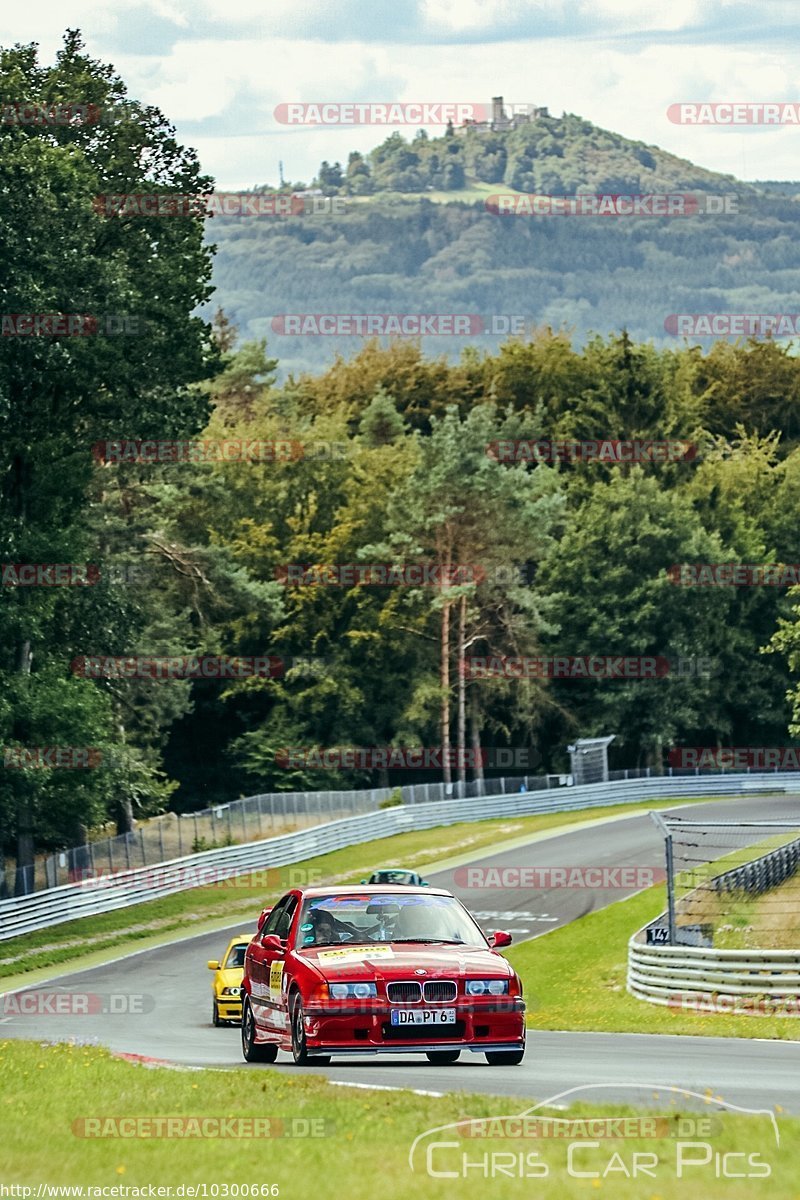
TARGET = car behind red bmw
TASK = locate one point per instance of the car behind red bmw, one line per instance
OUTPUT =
(378, 970)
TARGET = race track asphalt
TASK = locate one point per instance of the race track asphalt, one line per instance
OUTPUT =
(174, 986)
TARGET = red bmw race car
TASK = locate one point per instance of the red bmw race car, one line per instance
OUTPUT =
(378, 970)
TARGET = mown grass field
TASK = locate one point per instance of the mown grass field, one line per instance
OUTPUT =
(363, 1138)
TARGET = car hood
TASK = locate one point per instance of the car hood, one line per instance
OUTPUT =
(400, 962)
(230, 976)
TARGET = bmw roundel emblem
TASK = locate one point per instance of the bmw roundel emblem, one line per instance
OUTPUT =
(419, 971)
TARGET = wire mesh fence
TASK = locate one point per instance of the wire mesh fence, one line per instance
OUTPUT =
(733, 886)
(173, 835)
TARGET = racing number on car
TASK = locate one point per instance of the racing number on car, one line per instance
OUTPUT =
(275, 976)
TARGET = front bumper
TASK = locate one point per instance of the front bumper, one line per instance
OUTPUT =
(414, 1048)
(229, 1008)
(354, 1029)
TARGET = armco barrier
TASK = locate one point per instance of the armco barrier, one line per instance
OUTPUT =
(25, 914)
(685, 976)
(718, 980)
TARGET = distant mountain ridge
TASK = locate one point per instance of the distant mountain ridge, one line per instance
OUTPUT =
(418, 234)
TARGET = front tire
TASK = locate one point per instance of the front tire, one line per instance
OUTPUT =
(442, 1058)
(251, 1051)
(505, 1058)
(299, 1049)
(215, 1021)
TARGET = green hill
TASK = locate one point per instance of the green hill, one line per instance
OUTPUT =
(415, 236)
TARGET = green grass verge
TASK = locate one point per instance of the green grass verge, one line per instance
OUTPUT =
(212, 906)
(366, 1142)
(574, 978)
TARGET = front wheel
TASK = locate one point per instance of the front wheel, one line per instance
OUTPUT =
(215, 1015)
(442, 1058)
(250, 1049)
(505, 1058)
(300, 1053)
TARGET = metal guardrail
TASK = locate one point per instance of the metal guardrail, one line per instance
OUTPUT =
(162, 839)
(762, 873)
(252, 818)
(26, 914)
(718, 980)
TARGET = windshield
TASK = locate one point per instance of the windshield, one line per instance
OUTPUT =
(331, 920)
(236, 956)
(393, 877)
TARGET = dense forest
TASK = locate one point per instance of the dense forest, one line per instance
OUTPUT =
(389, 461)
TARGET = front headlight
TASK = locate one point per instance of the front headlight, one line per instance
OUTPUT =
(348, 991)
(230, 991)
(487, 987)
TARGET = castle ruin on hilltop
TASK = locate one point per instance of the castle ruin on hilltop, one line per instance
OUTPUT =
(502, 121)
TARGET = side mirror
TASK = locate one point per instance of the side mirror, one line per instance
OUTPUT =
(273, 942)
(213, 964)
(363, 881)
(499, 938)
(425, 883)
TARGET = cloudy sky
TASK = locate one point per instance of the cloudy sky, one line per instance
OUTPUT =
(218, 68)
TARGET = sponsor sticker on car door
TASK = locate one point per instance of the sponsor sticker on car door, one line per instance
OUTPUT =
(355, 953)
(275, 977)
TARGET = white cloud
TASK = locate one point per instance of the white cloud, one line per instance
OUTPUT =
(221, 92)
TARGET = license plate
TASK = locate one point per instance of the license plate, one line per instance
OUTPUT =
(423, 1016)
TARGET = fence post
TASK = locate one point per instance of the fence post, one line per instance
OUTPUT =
(670, 890)
(180, 836)
(230, 823)
(144, 856)
(110, 857)
(258, 814)
(244, 820)
(161, 838)
(128, 837)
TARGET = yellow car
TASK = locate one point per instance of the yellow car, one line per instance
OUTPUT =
(226, 988)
